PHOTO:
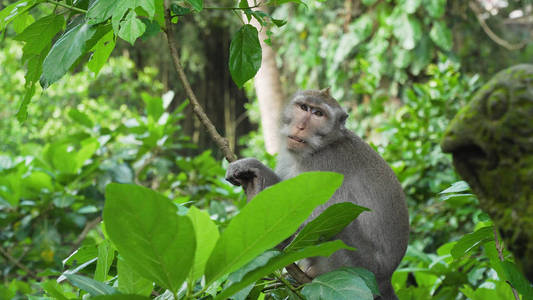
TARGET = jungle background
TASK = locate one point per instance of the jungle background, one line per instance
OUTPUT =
(401, 68)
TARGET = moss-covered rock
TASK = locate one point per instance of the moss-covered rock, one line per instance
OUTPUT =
(491, 140)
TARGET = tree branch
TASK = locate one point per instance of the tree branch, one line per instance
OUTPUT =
(17, 263)
(88, 226)
(493, 36)
(221, 142)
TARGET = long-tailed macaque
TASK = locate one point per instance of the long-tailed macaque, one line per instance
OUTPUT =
(314, 138)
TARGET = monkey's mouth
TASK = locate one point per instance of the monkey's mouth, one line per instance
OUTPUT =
(296, 139)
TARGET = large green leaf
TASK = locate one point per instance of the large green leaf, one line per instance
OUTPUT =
(421, 55)
(441, 35)
(52, 288)
(271, 217)
(149, 234)
(244, 54)
(131, 28)
(129, 282)
(469, 241)
(326, 225)
(65, 52)
(277, 261)
(91, 286)
(39, 35)
(339, 285)
(206, 238)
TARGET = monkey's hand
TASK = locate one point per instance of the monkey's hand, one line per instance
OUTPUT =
(251, 174)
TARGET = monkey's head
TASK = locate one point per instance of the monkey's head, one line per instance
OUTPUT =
(312, 120)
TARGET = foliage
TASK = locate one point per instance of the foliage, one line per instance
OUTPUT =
(475, 266)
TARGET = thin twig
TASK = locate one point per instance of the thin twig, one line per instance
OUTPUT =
(83, 11)
(17, 263)
(499, 248)
(289, 285)
(221, 142)
(88, 227)
(493, 36)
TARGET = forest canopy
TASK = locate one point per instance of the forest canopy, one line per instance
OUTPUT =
(118, 119)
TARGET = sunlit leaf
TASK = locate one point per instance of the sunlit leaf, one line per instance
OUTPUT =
(245, 54)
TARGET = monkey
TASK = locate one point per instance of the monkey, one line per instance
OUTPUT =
(314, 138)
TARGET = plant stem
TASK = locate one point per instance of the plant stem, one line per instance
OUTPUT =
(83, 11)
(499, 248)
(234, 8)
(289, 285)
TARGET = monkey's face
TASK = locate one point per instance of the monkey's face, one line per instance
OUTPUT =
(305, 124)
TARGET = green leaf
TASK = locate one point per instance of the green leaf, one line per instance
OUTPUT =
(91, 286)
(52, 288)
(277, 262)
(367, 276)
(517, 279)
(456, 187)
(338, 284)
(22, 113)
(278, 23)
(88, 148)
(198, 5)
(80, 118)
(245, 55)
(407, 30)
(154, 106)
(129, 282)
(435, 8)
(65, 52)
(421, 55)
(38, 35)
(144, 226)
(441, 35)
(402, 57)
(106, 255)
(326, 225)
(120, 297)
(470, 241)
(368, 2)
(179, 10)
(14, 10)
(410, 6)
(21, 22)
(252, 231)
(101, 52)
(206, 237)
(37, 181)
(101, 10)
(131, 28)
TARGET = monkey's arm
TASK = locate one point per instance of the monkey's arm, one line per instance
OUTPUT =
(252, 175)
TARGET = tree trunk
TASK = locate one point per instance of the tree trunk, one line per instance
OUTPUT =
(269, 93)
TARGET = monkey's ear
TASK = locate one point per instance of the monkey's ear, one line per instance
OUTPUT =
(343, 117)
(325, 92)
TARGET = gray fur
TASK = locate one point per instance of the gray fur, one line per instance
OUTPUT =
(380, 235)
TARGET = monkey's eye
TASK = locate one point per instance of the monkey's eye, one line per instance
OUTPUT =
(318, 113)
(304, 107)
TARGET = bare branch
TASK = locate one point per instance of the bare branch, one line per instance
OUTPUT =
(17, 263)
(493, 36)
(221, 142)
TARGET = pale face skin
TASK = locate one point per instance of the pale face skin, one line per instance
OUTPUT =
(306, 119)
